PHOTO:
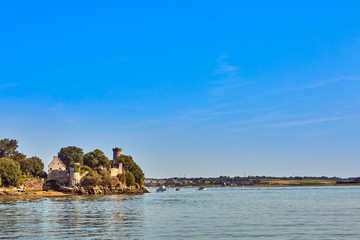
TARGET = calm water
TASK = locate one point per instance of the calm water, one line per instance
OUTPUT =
(218, 213)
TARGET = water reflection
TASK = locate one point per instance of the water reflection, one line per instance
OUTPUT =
(73, 217)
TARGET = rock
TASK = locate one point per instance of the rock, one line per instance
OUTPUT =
(66, 189)
(51, 185)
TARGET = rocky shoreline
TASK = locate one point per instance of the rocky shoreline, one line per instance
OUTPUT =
(71, 191)
(50, 188)
(102, 190)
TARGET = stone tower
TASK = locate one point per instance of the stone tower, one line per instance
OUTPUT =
(116, 153)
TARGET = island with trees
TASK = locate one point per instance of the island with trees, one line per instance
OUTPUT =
(79, 172)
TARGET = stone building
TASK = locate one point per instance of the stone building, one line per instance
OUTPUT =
(115, 167)
(57, 171)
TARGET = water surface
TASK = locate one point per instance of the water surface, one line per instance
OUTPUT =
(218, 213)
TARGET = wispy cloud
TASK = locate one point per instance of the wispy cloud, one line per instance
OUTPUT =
(8, 85)
(306, 122)
(225, 67)
(229, 77)
(329, 81)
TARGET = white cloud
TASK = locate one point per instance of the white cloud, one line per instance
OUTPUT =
(229, 77)
(306, 122)
(8, 85)
(329, 81)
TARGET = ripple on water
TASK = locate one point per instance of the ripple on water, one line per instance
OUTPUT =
(218, 213)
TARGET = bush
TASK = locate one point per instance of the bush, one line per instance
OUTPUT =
(122, 178)
(84, 169)
(107, 179)
(90, 180)
(10, 172)
(130, 179)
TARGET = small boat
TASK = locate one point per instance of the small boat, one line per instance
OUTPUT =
(178, 189)
(161, 189)
(202, 188)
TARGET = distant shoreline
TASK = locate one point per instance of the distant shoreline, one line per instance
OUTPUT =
(251, 181)
(265, 186)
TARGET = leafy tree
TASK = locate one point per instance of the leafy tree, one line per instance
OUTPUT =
(19, 157)
(130, 165)
(96, 159)
(9, 171)
(8, 147)
(33, 166)
(71, 154)
(130, 179)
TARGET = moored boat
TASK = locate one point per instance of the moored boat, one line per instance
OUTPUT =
(161, 189)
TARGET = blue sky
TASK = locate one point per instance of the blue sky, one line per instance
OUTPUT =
(194, 88)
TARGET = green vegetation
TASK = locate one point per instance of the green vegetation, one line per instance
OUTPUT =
(10, 172)
(96, 159)
(122, 178)
(70, 155)
(130, 166)
(32, 166)
(15, 166)
(91, 179)
(130, 179)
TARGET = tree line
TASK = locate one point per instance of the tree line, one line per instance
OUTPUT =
(15, 166)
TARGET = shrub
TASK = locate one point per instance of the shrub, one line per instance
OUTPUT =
(122, 178)
(10, 172)
(90, 180)
(106, 178)
(130, 179)
(84, 169)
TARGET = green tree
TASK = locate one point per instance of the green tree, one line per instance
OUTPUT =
(9, 171)
(71, 154)
(33, 166)
(130, 165)
(96, 159)
(8, 148)
(130, 179)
